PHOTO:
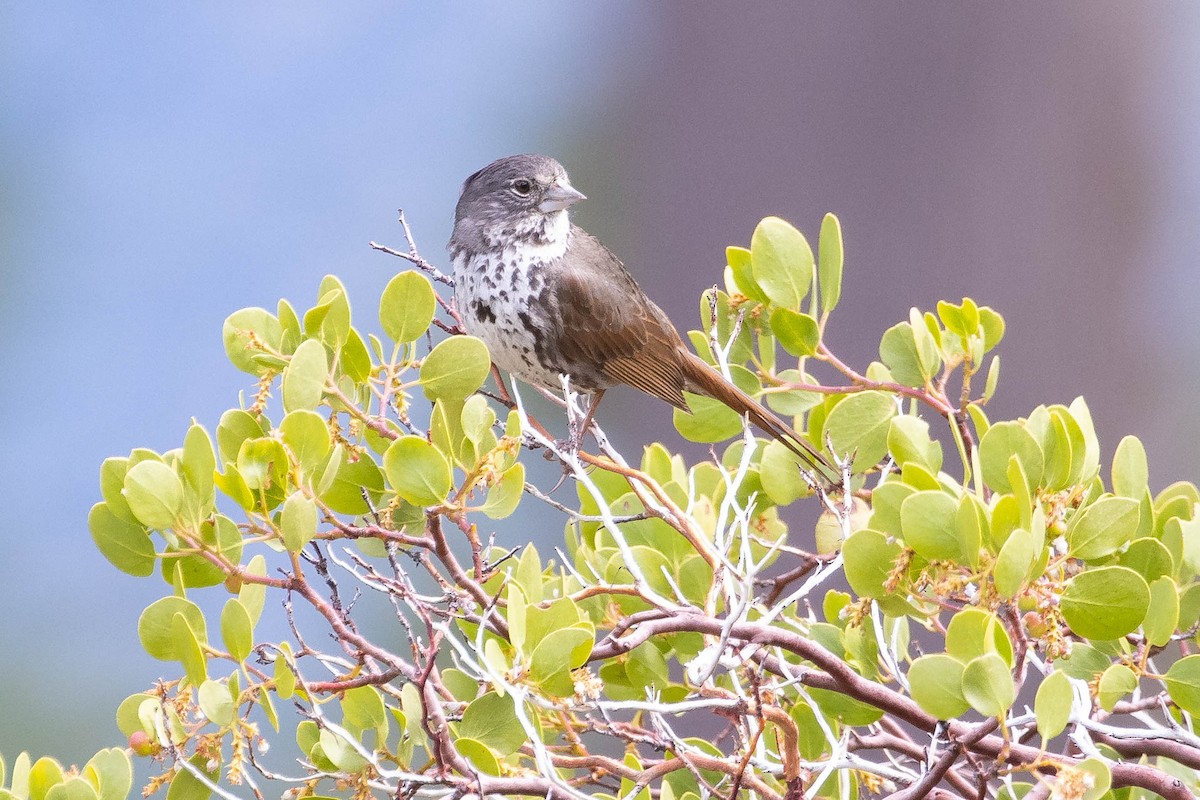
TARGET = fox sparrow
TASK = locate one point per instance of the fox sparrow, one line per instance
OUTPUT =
(548, 299)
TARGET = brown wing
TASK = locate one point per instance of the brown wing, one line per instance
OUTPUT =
(610, 325)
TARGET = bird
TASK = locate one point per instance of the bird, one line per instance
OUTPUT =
(548, 299)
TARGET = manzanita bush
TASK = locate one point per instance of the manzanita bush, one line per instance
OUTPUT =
(683, 643)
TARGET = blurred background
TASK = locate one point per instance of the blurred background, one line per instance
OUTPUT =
(162, 165)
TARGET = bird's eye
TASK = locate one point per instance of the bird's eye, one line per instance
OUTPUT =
(522, 186)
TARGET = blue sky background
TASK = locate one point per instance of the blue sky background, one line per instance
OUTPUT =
(162, 165)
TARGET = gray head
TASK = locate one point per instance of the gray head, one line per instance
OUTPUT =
(525, 195)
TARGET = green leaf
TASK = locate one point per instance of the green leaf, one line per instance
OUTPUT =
(739, 261)
(710, 420)
(929, 522)
(154, 493)
(155, 626)
(218, 535)
(417, 471)
(988, 686)
(215, 702)
(782, 262)
(973, 527)
(477, 418)
(479, 754)
(829, 262)
(992, 379)
(1149, 558)
(492, 720)
(298, 521)
(886, 501)
(126, 545)
(1091, 459)
(253, 338)
(186, 786)
(505, 495)
(186, 642)
(797, 332)
(1013, 563)
(354, 358)
(1102, 528)
(1002, 441)
(290, 323)
(343, 481)
(72, 789)
(198, 462)
(407, 306)
(455, 368)
(263, 465)
(1183, 683)
(780, 474)
(284, 677)
(128, 718)
(235, 427)
(330, 318)
(1101, 778)
(1052, 706)
(974, 632)
(1162, 618)
(110, 772)
(908, 440)
(306, 435)
(1130, 474)
(1116, 682)
(1105, 603)
(859, 424)
(363, 708)
(462, 686)
(112, 481)
(305, 376)
(237, 630)
(936, 682)
(870, 559)
(44, 775)
(254, 595)
(850, 711)
(898, 351)
(557, 654)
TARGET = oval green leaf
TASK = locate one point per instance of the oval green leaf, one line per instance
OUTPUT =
(126, 545)
(936, 682)
(1052, 706)
(154, 493)
(455, 368)
(1183, 683)
(929, 521)
(1105, 603)
(407, 306)
(417, 471)
(305, 376)
(782, 262)
(859, 424)
(870, 559)
(1103, 527)
(797, 332)
(987, 685)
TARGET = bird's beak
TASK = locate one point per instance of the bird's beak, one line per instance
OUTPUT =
(560, 197)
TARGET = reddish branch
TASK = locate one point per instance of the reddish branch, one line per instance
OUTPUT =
(836, 675)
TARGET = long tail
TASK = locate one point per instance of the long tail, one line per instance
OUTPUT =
(703, 379)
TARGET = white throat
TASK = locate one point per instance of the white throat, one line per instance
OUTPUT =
(556, 231)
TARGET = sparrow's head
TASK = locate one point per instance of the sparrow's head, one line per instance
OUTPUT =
(526, 194)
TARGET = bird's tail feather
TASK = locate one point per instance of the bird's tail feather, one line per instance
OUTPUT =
(703, 379)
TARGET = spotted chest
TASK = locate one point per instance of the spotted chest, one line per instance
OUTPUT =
(501, 299)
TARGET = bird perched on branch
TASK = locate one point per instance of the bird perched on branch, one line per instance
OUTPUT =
(549, 299)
